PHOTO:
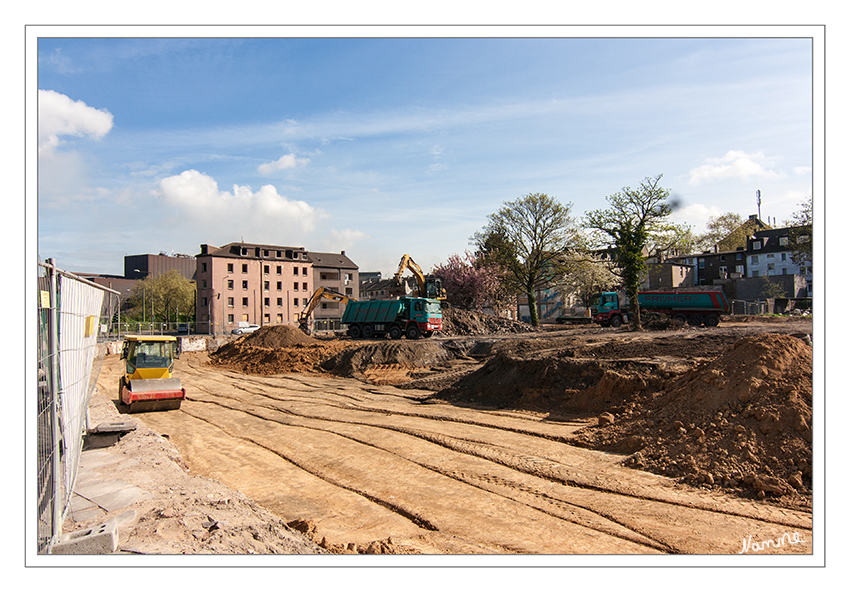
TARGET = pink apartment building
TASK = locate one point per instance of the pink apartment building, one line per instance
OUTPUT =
(262, 284)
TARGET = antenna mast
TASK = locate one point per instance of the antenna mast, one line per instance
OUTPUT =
(758, 201)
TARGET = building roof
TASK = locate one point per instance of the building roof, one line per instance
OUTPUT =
(334, 260)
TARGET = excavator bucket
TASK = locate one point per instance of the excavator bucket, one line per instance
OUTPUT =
(159, 394)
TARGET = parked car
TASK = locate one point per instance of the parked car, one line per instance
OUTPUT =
(245, 328)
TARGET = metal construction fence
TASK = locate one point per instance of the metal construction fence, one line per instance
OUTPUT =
(741, 307)
(69, 313)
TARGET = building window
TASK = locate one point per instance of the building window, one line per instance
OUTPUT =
(279, 286)
(771, 255)
(204, 267)
(266, 268)
(204, 301)
(784, 256)
(755, 273)
(304, 269)
(230, 318)
(739, 269)
(279, 318)
(244, 302)
(280, 301)
(304, 286)
(230, 302)
(296, 302)
(277, 254)
(244, 268)
(783, 241)
(279, 268)
(204, 284)
(295, 286)
(229, 284)
(266, 302)
(723, 271)
(702, 263)
(756, 245)
(265, 286)
(739, 256)
(229, 268)
(265, 252)
(267, 319)
(771, 267)
(754, 260)
(244, 284)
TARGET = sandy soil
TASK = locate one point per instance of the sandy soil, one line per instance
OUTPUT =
(497, 443)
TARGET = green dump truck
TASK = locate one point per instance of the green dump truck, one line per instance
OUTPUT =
(410, 317)
(694, 308)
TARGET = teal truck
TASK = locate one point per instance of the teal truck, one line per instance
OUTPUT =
(693, 308)
(410, 317)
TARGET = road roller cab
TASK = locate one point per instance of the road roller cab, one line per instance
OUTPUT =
(147, 383)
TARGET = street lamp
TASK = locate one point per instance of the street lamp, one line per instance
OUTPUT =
(143, 298)
(221, 295)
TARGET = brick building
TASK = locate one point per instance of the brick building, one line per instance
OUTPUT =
(264, 284)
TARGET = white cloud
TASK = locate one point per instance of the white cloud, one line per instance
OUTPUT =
(804, 170)
(342, 240)
(695, 215)
(287, 161)
(58, 115)
(736, 164)
(263, 215)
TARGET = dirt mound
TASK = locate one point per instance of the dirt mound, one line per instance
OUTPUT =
(458, 322)
(244, 355)
(278, 336)
(742, 421)
(405, 355)
(558, 384)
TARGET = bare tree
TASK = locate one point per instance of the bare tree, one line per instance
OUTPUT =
(527, 236)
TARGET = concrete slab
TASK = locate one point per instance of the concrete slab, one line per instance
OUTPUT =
(115, 500)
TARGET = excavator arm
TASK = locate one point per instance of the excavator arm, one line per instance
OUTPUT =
(315, 299)
(429, 287)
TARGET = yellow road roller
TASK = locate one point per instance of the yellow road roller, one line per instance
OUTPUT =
(147, 383)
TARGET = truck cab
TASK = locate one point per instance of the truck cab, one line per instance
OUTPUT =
(607, 312)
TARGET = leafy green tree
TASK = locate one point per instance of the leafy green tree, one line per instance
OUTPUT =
(528, 236)
(633, 217)
(162, 297)
(801, 233)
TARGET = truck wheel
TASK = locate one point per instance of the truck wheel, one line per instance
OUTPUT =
(354, 331)
(695, 320)
(712, 321)
(396, 332)
(680, 318)
(412, 332)
(368, 331)
(616, 322)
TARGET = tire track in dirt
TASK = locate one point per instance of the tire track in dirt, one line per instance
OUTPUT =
(377, 473)
(555, 470)
(538, 467)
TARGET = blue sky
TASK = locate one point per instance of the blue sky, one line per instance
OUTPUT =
(381, 147)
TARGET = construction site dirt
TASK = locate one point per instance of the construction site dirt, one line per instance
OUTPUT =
(498, 439)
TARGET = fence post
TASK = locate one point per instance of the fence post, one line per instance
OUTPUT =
(53, 349)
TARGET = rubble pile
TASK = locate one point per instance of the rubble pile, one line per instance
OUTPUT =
(458, 322)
